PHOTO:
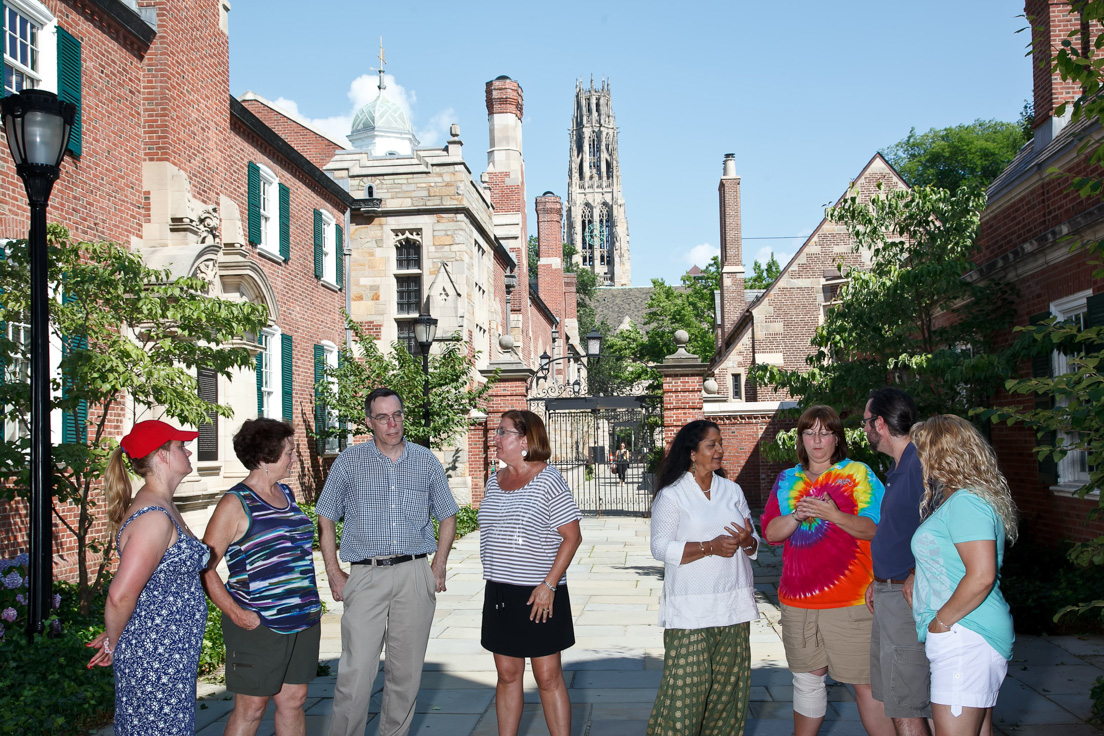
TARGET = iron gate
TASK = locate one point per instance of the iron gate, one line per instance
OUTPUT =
(585, 434)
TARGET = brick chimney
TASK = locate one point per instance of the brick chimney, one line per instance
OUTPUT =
(550, 248)
(505, 180)
(1051, 23)
(732, 259)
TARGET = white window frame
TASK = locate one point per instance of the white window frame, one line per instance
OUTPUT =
(45, 73)
(14, 429)
(272, 392)
(333, 444)
(270, 212)
(329, 253)
(1073, 468)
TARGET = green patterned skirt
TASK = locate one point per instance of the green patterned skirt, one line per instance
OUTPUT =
(706, 681)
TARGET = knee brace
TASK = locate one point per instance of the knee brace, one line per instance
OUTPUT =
(810, 695)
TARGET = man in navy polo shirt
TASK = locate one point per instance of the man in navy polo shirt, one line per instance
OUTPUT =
(899, 674)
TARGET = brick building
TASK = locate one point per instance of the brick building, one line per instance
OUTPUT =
(774, 326)
(172, 166)
(1029, 223)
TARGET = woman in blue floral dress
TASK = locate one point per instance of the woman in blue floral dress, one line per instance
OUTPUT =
(156, 610)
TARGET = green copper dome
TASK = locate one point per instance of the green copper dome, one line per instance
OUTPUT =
(381, 114)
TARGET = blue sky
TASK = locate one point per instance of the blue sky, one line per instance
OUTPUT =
(804, 93)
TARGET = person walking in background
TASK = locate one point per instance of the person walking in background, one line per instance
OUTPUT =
(702, 532)
(528, 533)
(621, 462)
(271, 612)
(961, 616)
(825, 511)
(386, 490)
(898, 666)
(156, 612)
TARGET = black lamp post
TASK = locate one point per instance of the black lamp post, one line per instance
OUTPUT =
(425, 329)
(38, 126)
(593, 354)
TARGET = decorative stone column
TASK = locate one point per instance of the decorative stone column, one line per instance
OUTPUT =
(507, 393)
(682, 388)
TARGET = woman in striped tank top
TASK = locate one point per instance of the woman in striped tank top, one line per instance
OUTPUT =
(270, 607)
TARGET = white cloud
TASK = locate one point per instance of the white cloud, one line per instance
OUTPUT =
(700, 255)
(363, 90)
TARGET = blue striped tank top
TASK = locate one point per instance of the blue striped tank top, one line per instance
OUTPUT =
(272, 566)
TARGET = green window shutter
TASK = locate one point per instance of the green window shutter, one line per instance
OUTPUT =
(286, 376)
(3, 45)
(260, 385)
(69, 82)
(3, 251)
(318, 271)
(73, 423)
(343, 440)
(285, 223)
(1041, 368)
(339, 249)
(254, 203)
(1094, 310)
(319, 407)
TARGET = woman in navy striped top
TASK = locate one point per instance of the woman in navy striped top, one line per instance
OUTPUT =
(270, 607)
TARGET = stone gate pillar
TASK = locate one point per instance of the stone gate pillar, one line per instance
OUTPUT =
(506, 394)
(682, 388)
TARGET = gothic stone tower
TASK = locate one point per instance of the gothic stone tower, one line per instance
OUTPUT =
(596, 223)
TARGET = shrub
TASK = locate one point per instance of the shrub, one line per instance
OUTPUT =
(310, 510)
(213, 654)
(1038, 581)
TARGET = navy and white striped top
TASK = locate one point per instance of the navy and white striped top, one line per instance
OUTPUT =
(386, 505)
(272, 565)
(518, 540)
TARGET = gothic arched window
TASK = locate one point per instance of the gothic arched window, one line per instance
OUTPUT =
(604, 236)
(590, 234)
(595, 153)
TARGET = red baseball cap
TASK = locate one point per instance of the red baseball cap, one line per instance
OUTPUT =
(147, 436)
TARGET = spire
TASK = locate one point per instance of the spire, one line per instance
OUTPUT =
(382, 61)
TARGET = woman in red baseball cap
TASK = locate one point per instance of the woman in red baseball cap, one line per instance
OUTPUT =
(156, 610)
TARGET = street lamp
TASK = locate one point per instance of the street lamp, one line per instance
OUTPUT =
(594, 345)
(555, 387)
(38, 124)
(425, 329)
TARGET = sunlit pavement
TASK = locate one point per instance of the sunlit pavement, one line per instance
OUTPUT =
(613, 670)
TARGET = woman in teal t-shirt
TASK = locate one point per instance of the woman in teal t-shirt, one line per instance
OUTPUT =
(961, 616)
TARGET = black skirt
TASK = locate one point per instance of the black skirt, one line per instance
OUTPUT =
(508, 631)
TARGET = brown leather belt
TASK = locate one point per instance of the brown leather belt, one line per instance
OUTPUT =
(888, 580)
(389, 561)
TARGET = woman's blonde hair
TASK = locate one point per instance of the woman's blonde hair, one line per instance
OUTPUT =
(955, 456)
(117, 487)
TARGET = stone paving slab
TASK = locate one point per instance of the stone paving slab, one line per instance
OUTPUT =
(614, 670)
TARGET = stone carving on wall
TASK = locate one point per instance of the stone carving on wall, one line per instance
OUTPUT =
(207, 269)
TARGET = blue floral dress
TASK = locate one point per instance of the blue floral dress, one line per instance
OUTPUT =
(157, 656)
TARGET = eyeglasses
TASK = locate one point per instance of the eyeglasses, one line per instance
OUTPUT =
(823, 434)
(500, 431)
(395, 418)
(868, 420)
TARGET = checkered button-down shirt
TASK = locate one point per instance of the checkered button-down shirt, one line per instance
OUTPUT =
(386, 505)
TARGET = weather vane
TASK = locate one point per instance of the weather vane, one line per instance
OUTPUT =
(382, 61)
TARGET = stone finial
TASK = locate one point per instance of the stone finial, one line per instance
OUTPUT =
(710, 386)
(681, 338)
(506, 343)
(454, 130)
(681, 355)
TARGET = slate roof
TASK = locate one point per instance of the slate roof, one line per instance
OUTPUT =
(614, 303)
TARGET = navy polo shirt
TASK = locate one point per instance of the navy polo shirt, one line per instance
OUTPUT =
(890, 547)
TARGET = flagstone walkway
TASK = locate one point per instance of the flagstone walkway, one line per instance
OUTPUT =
(613, 671)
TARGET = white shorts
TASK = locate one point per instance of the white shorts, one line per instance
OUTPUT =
(965, 669)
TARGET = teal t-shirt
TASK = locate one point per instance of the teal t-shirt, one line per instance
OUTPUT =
(963, 517)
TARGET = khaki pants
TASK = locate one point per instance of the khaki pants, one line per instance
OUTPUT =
(392, 605)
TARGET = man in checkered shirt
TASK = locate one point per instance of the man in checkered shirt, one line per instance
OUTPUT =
(386, 491)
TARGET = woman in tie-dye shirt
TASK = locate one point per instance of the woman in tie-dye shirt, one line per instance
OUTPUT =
(825, 511)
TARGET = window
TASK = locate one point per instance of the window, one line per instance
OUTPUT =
(1073, 469)
(30, 56)
(326, 235)
(18, 370)
(269, 372)
(737, 387)
(325, 355)
(408, 255)
(406, 336)
(269, 213)
(409, 293)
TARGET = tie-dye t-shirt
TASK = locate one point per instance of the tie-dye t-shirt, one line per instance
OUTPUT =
(822, 565)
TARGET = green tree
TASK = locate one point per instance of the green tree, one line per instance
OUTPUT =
(691, 308)
(962, 155)
(763, 276)
(130, 333)
(889, 325)
(361, 369)
(534, 256)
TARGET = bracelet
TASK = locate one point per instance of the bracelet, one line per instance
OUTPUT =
(549, 585)
(945, 626)
(794, 515)
(107, 645)
(710, 547)
(702, 545)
